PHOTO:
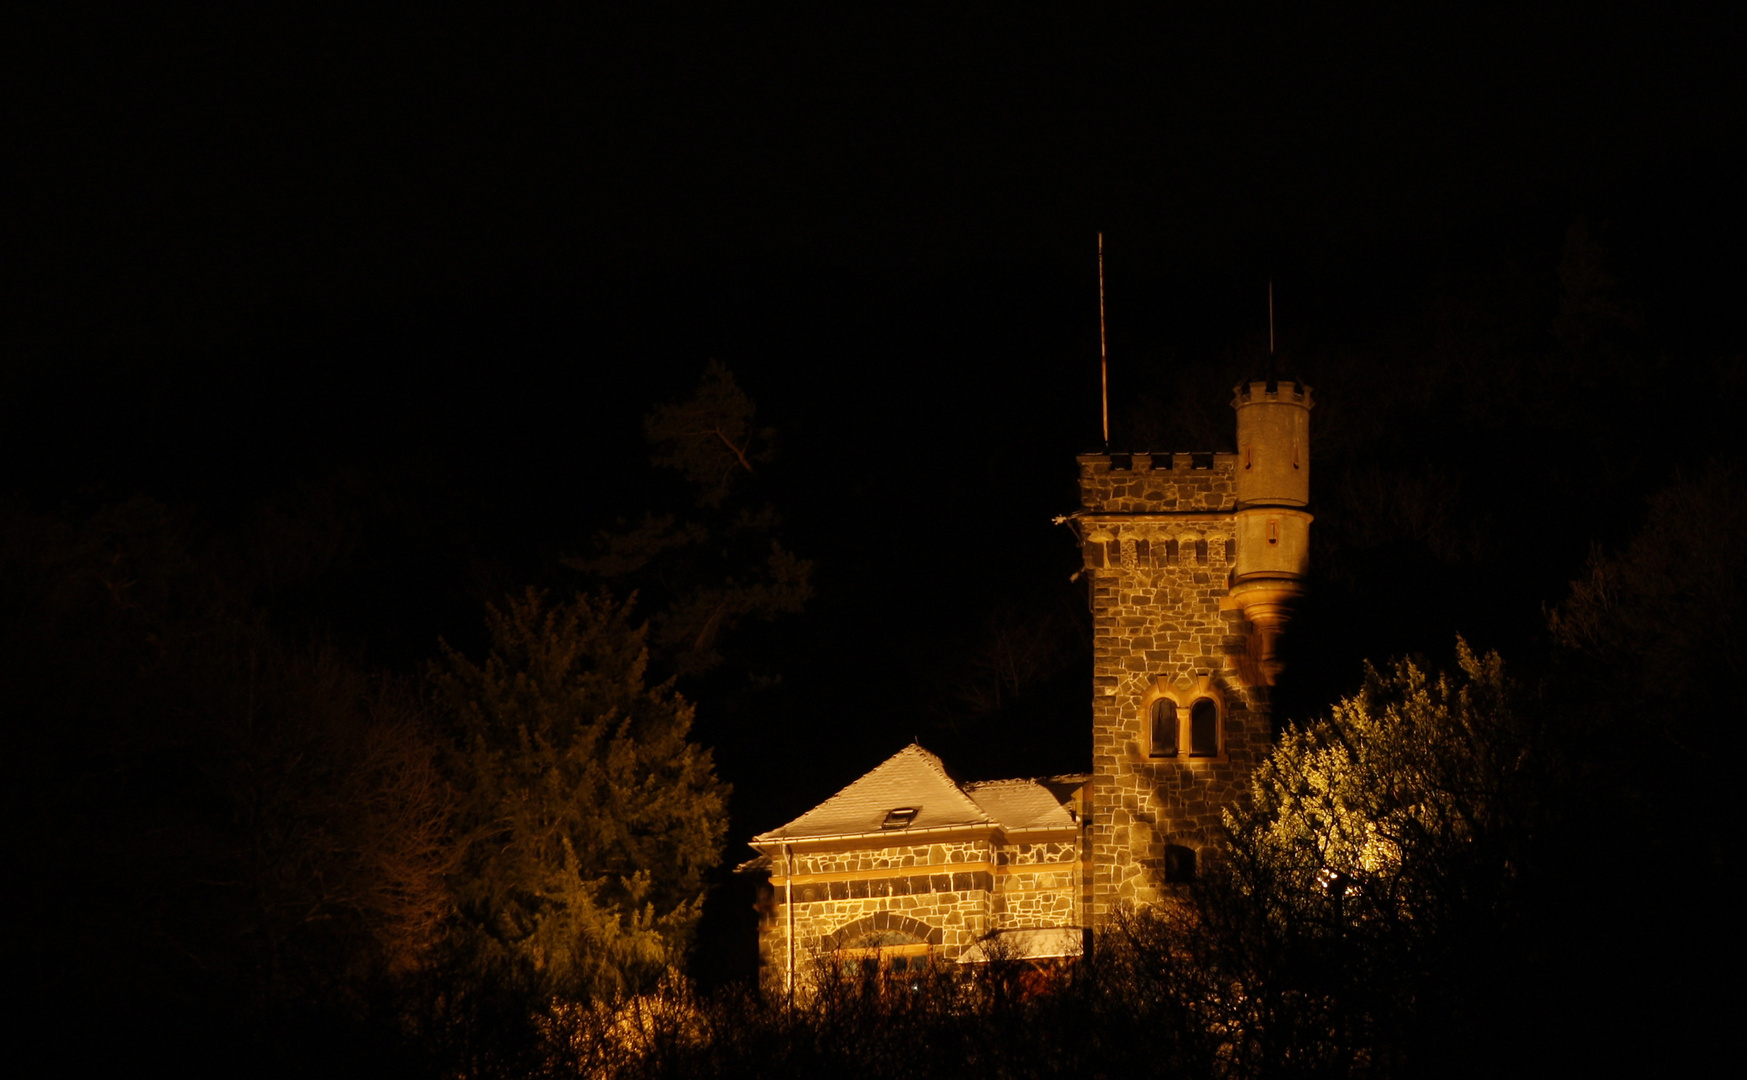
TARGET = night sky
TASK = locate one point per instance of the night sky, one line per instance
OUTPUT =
(446, 263)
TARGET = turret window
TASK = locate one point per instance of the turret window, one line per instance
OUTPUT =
(1204, 728)
(1164, 725)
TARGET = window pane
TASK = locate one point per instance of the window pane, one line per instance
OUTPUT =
(1204, 729)
(1164, 728)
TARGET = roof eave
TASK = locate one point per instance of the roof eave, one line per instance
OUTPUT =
(892, 837)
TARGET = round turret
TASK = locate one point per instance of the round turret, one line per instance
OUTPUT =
(1273, 486)
(1273, 443)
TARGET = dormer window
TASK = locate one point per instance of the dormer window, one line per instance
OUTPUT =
(899, 818)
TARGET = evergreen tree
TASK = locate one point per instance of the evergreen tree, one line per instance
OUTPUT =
(587, 818)
(702, 570)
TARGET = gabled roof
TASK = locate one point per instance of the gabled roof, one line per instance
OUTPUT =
(1020, 805)
(912, 778)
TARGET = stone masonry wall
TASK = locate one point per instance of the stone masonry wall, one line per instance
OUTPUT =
(1159, 546)
(955, 894)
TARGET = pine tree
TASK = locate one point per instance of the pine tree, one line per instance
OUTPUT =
(588, 820)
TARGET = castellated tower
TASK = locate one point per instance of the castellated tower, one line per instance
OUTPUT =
(1193, 562)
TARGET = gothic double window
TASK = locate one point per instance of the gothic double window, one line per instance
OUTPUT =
(1175, 730)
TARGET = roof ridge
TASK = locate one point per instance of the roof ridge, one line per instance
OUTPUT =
(913, 760)
(939, 766)
(933, 761)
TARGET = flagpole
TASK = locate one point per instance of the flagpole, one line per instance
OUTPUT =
(1103, 348)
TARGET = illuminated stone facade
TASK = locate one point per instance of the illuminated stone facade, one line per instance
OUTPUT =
(908, 862)
(952, 895)
(1192, 562)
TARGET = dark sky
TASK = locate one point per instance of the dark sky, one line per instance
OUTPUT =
(216, 163)
(464, 252)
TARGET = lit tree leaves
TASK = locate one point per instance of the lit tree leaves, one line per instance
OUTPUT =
(588, 820)
(1406, 802)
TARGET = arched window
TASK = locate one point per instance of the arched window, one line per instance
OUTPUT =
(1204, 728)
(886, 951)
(1179, 864)
(1164, 725)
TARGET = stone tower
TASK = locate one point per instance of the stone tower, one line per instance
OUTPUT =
(1193, 562)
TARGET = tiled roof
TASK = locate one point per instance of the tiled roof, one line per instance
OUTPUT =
(910, 778)
(914, 778)
(1020, 805)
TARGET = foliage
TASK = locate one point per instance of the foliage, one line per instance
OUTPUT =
(587, 819)
(1363, 820)
(703, 571)
(1671, 602)
(1377, 877)
(710, 437)
(1650, 643)
(231, 822)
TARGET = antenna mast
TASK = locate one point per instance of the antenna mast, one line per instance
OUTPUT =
(1103, 349)
(1272, 366)
(1270, 316)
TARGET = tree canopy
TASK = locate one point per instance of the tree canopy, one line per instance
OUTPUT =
(587, 819)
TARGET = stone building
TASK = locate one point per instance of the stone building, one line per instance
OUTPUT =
(1192, 562)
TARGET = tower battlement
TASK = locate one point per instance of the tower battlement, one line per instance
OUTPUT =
(1158, 483)
(1277, 390)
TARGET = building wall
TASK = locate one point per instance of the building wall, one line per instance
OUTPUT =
(1159, 539)
(949, 893)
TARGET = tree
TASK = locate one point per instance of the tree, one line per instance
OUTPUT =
(1648, 672)
(702, 571)
(231, 828)
(1375, 885)
(587, 819)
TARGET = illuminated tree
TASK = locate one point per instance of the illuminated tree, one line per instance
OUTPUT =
(587, 818)
(1375, 884)
(1368, 813)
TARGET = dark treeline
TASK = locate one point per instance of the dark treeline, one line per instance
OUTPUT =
(258, 825)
